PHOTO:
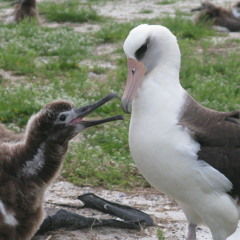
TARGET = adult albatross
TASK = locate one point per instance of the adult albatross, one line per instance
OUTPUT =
(183, 149)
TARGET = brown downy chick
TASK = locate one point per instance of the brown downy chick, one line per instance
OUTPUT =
(218, 15)
(29, 166)
(25, 9)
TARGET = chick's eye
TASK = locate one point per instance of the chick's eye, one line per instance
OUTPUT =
(62, 117)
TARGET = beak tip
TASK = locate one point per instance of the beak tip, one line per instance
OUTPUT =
(113, 95)
(126, 105)
(119, 117)
(126, 108)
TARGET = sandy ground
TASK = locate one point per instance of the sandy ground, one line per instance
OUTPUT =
(166, 214)
(133, 9)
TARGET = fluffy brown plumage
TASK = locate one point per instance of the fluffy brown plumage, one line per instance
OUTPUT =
(25, 9)
(218, 15)
(28, 166)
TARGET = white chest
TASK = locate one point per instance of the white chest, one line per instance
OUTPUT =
(162, 150)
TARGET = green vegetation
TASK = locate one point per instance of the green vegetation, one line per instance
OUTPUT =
(160, 235)
(146, 11)
(166, 2)
(185, 28)
(53, 63)
(68, 11)
(5, 2)
(113, 32)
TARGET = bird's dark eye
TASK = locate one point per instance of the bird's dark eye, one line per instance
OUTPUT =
(62, 117)
(139, 54)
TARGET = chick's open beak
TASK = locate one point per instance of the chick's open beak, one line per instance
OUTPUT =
(82, 112)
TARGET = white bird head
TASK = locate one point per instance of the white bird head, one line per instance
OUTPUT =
(148, 47)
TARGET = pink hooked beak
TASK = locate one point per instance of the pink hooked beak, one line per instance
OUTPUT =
(135, 77)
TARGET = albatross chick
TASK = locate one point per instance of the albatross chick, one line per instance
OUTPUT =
(28, 167)
(25, 9)
(219, 16)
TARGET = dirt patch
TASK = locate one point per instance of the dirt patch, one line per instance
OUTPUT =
(140, 9)
(9, 76)
(137, 9)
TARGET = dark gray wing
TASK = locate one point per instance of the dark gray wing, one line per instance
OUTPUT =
(218, 134)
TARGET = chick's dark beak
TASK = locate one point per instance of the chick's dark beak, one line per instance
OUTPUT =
(82, 112)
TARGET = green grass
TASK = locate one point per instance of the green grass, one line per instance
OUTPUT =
(97, 1)
(50, 63)
(182, 27)
(166, 2)
(211, 76)
(90, 163)
(146, 11)
(68, 11)
(5, 5)
(22, 43)
(160, 235)
(114, 32)
(185, 28)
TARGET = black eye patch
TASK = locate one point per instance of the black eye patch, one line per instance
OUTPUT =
(139, 54)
